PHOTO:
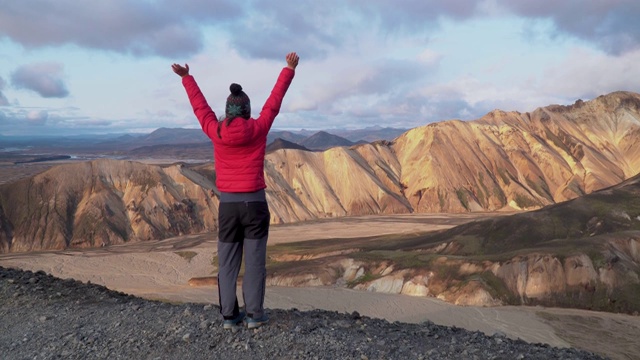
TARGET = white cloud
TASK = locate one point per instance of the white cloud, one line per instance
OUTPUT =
(43, 78)
(50, 121)
(3, 99)
(131, 27)
(37, 117)
(610, 24)
(586, 74)
(266, 28)
(429, 57)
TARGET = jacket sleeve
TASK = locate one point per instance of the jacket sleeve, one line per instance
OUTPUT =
(206, 116)
(271, 107)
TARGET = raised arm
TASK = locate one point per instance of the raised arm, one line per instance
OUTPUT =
(271, 107)
(202, 110)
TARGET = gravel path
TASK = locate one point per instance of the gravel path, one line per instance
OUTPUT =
(43, 317)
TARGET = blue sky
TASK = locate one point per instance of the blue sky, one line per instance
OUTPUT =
(77, 67)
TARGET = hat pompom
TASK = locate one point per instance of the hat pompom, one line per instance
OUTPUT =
(235, 89)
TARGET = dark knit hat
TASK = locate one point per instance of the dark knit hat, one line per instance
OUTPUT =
(238, 104)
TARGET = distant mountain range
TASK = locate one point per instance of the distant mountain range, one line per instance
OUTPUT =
(322, 140)
(161, 142)
(166, 142)
(279, 144)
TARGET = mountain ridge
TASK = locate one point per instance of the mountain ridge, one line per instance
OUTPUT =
(502, 161)
(581, 253)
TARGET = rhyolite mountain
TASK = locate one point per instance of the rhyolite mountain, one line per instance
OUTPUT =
(103, 202)
(504, 160)
(581, 253)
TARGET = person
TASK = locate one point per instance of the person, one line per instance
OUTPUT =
(239, 144)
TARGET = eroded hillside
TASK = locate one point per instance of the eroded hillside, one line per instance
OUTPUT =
(101, 203)
(581, 253)
(503, 160)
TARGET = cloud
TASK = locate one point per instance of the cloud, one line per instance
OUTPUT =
(586, 74)
(415, 14)
(346, 90)
(23, 118)
(357, 96)
(43, 78)
(320, 28)
(25, 121)
(469, 98)
(3, 99)
(164, 114)
(610, 24)
(345, 80)
(257, 29)
(124, 26)
(268, 28)
(37, 117)
(274, 28)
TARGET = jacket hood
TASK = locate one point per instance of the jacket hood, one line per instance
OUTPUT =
(239, 132)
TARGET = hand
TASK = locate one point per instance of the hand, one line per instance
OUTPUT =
(292, 60)
(181, 70)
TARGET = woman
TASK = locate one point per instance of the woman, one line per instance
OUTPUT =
(239, 143)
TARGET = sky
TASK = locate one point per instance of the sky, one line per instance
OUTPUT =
(70, 67)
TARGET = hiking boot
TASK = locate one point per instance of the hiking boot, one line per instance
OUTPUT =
(255, 323)
(231, 323)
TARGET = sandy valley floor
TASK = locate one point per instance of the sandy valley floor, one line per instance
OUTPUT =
(161, 270)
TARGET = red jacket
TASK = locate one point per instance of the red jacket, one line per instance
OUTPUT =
(239, 151)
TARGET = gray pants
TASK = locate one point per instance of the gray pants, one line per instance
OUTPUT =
(254, 281)
(243, 226)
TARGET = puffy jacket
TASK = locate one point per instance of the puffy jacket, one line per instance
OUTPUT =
(239, 150)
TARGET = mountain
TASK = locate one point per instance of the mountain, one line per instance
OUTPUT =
(120, 143)
(200, 151)
(165, 136)
(159, 137)
(189, 143)
(41, 144)
(279, 144)
(582, 253)
(104, 202)
(285, 135)
(525, 160)
(322, 140)
(370, 134)
(125, 138)
(503, 161)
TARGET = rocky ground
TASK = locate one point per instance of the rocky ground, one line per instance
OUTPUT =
(43, 317)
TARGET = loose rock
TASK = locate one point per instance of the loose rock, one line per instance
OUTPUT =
(93, 322)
